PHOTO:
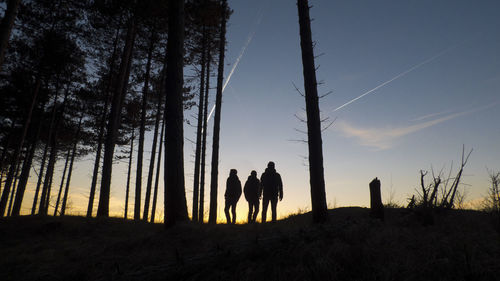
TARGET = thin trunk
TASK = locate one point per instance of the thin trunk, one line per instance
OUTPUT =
(114, 120)
(316, 173)
(153, 155)
(47, 184)
(68, 155)
(16, 177)
(131, 154)
(155, 193)
(142, 131)
(212, 218)
(17, 152)
(201, 214)
(175, 193)
(102, 125)
(70, 172)
(25, 172)
(40, 178)
(23, 180)
(46, 149)
(6, 27)
(4, 154)
(197, 156)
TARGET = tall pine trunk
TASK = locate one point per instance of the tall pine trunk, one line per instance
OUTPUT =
(40, 178)
(212, 218)
(127, 190)
(68, 155)
(25, 172)
(316, 173)
(199, 126)
(175, 194)
(47, 184)
(142, 131)
(17, 152)
(102, 124)
(16, 177)
(159, 114)
(70, 171)
(114, 119)
(157, 180)
(6, 27)
(201, 214)
(23, 179)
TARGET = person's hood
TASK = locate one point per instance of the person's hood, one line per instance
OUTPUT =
(270, 170)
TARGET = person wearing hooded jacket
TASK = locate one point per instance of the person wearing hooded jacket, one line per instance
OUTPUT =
(253, 193)
(232, 195)
(272, 187)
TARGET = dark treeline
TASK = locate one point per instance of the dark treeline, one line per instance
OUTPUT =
(83, 79)
(89, 79)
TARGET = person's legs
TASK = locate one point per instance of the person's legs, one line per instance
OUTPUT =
(233, 210)
(226, 211)
(250, 210)
(274, 202)
(265, 203)
(256, 210)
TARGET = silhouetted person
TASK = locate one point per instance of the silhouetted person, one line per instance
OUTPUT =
(232, 195)
(253, 192)
(272, 187)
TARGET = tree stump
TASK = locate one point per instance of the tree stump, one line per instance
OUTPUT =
(377, 208)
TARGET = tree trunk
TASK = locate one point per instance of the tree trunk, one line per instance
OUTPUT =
(155, 193)
(16, 177)
(6, 27)
(142, 131)
(4, 152)
(70, 172)
(131, 154)
(17, 152)
(114, 119)
(68, 155)
(45, 197)
(25, 172)
(199, 126)
(316, 173)
(212, 218)
(201, 214)
(53, 153)
(376, 206)
(102, 125)
(40, 178)
(145, 216)
(175, 194)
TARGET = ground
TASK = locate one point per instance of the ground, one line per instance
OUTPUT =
(459, 245)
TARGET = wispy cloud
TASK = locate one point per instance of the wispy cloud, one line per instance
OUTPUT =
(431, 115)
(383, 138)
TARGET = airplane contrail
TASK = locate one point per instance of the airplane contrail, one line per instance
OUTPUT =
(397, 77)
(242, 52)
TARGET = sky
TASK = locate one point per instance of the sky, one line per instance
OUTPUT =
(427, 74)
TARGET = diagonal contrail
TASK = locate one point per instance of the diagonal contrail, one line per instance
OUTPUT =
(396, 77)
(242, 52)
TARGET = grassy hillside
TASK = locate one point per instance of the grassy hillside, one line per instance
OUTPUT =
(461, 245)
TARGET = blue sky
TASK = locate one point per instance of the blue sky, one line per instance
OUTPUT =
(418, 120)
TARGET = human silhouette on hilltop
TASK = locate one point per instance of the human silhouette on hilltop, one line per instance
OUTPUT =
(232, 195)
(253, 192)
(272, 187)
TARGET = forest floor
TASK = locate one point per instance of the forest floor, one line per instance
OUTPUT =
(460, 245)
